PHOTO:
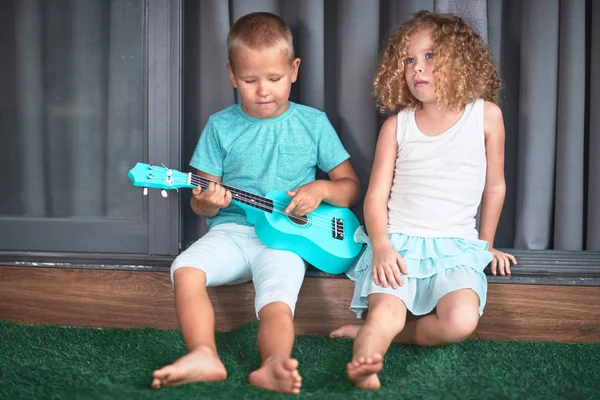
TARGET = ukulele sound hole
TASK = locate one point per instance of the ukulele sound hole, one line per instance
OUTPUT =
(298, 220)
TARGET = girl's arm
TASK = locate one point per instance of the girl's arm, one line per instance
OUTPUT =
(380, 184)
(387, 263)
(495, 186)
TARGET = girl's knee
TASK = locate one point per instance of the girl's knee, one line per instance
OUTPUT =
(460, 323)
(458, 313)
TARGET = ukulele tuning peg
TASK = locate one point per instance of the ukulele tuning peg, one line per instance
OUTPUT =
(163, 193)
(145, 191)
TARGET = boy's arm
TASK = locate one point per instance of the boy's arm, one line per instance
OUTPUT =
(208, 203)
(343, 188)
(495, 185)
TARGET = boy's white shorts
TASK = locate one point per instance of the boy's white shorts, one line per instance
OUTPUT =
(231, 254)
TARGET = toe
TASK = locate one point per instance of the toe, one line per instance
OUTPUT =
(162, 373)
(291, 364)
(156, 384)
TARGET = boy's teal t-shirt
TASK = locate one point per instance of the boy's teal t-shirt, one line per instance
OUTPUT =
(261, 155)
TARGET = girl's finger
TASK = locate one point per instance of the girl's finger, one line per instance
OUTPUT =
(508, 266)
(494, 266)
(382, 278)
(375, 276)
(502, 265)
(389, 273)
(397, 275)
(401, 264)
(504, 261)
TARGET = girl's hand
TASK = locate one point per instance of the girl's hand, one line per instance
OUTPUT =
(386, 265)
(215, 195)
(305, 199)
(501, 261)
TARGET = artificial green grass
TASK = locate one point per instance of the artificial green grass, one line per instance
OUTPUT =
(51, 362)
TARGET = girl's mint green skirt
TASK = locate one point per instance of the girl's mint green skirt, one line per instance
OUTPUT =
(436, 267)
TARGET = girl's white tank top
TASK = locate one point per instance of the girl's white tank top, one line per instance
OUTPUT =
(438, 180)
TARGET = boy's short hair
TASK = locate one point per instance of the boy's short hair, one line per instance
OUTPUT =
(257, 31)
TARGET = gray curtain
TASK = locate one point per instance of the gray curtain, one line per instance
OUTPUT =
(544, 50)
(72, 104)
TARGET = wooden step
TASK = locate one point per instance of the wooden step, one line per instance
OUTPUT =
(134, 299)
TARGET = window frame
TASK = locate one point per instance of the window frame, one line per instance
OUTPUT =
(158, 231)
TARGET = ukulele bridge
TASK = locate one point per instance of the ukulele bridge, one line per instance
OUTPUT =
(337, 228)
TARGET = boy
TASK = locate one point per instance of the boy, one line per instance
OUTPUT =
(266, 143)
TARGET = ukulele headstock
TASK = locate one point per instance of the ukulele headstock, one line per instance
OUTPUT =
(157, 177)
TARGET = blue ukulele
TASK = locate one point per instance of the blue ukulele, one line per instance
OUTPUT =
(323, 238)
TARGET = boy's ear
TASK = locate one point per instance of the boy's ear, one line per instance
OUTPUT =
(295, 66)
(231, 75)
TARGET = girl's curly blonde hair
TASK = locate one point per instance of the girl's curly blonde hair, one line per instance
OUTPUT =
(464, 70)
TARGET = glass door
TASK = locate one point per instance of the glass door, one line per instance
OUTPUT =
(87, 89)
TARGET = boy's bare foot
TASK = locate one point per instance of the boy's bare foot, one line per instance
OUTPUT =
(200, 365)
(278, 374)
(346, 331)
(363, 371)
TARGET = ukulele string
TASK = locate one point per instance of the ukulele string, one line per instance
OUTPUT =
(263, 201)
(254, 199)
(318, 220)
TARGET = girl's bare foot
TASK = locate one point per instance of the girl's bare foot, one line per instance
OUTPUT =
(346, 331)
(200, 365)
(278, 374)
(362, 371)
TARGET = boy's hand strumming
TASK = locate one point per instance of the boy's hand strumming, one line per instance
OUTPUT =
(305, 199)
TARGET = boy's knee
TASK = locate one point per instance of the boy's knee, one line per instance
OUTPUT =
(277, 292)
(189, 276)
(276, 310)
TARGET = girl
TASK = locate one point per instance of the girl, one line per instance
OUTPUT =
(438, 156)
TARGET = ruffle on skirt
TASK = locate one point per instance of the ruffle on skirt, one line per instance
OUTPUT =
(436, 266)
